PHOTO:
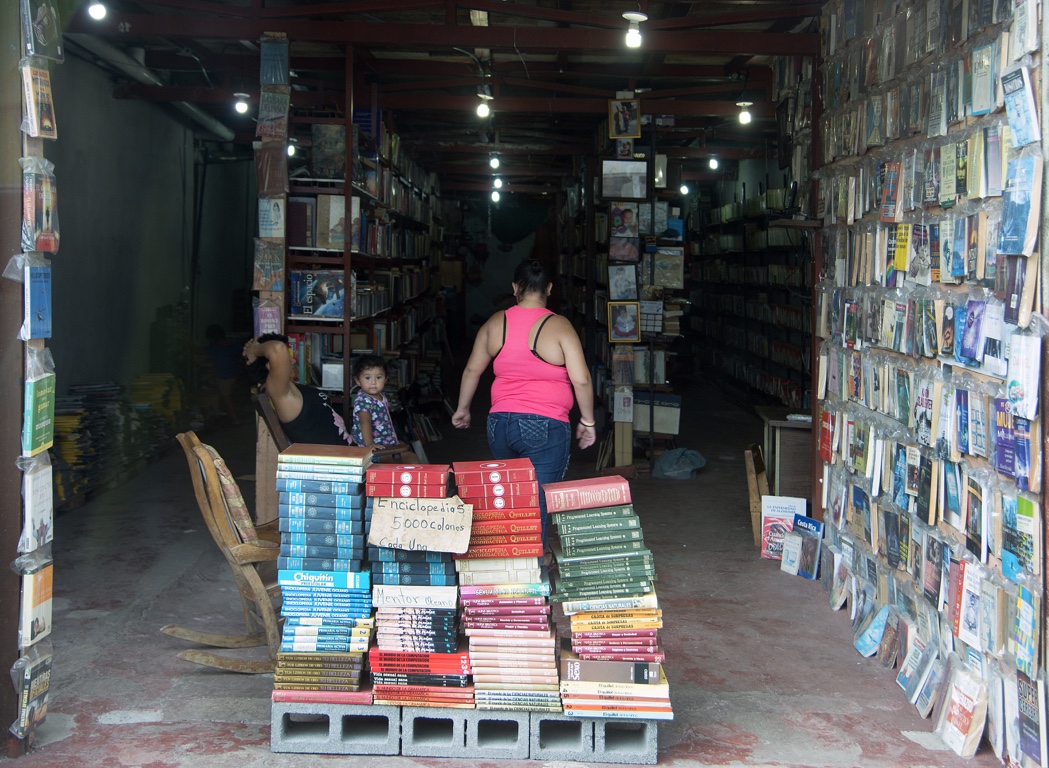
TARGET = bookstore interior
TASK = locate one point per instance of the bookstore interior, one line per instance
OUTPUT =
(829, 210)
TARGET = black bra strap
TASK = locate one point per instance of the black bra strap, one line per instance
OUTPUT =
(535, 341)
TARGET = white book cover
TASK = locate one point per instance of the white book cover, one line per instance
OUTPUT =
(38, 508)
(1020, 106)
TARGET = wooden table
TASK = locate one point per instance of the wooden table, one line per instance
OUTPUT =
(788, 452)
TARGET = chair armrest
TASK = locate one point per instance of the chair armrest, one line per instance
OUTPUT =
(263, 552)
(268, 531)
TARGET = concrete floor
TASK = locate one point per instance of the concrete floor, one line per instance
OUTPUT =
(762, 671)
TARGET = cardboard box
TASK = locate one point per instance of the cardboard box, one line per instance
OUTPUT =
(667, 416)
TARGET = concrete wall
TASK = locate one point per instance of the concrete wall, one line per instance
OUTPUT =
(125, 172)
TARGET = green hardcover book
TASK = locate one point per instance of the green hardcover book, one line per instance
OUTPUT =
(601, 593)
(574, 580)
(569, 528)
(574, 586)
(602, 569)
(576, 542)
(599, 513)
(610, 548)
(38, 418)
(594, 557)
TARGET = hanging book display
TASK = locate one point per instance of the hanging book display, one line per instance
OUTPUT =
(931, 355)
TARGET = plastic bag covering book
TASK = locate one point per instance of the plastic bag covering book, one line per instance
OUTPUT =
(1023, 374)
(31, 675)
(961, 717)
(1020, 106)
(328, 160)
(38, 420)
(316, 294)
(37, 316)
(1021, 206)
(37, 504)
(42, 29)
(39, 119)
(274, 101)
(39, 205)
(269, 266)
(35, 621)
(271, 217)
(273, 61)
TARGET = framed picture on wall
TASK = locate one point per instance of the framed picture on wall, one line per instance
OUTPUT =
(623, 218)
(624, 179)
(623, 321)
(622, 282)
(624, 119)
(624, 149)
(624, 248)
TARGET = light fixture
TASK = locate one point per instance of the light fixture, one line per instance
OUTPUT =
(633, 33)
(484, 93)
(498, 183)
(744, 112)
(241, 104)
(713, 163)
(97, 11)
(495, 195)
(684, 188)
(291, 150)
(494, 162)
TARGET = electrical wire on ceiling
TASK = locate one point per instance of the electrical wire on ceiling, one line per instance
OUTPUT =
(189, 54)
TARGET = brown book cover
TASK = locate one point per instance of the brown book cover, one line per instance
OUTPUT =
(574, 668)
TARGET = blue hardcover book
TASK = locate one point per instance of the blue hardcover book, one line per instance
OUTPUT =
(318, 564)
(310, 613)
(811, 531)
(325, 475)
(339, 500)
(869, 637)
(333, 605)
(325, 631)
(319, 486)
(388, 555)
(314, 525)
(318, 513)
(426, 579)
(308, 550)
(358, 624)
(37, 323)
(416, 568)
(343, 541)
(305, 645)
(312, 586)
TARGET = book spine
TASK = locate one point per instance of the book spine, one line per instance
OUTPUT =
(568, 528)
(503, 550)
(336, 500)
(599, 513)
(613, 492)
(507, 513)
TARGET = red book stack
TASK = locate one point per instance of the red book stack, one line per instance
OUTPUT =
(408, 481)
(503, 589)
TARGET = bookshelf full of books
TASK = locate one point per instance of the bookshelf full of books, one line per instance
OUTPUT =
(930, 329)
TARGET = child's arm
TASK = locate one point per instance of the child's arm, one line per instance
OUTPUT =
(364, 419)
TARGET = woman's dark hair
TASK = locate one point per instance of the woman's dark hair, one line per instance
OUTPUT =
(531, 276)
(258, 370)
(364, 362)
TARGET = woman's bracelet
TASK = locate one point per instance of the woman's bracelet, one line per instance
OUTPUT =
(584, 424)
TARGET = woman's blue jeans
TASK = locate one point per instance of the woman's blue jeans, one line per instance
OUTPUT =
(547, 442)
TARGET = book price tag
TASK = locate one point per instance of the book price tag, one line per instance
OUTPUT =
(435, 525)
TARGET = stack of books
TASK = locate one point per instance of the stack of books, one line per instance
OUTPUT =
(418, 658)
(504, 589)
(599, 549)
(326, 591)
(614, 689)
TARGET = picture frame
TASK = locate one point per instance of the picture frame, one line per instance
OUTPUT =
(624, 149)
(624, 248)
(624, 321)
(624, 179)
(623, 218)
(624, 118)
(622, 282)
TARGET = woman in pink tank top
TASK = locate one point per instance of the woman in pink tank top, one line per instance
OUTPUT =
(539, 371)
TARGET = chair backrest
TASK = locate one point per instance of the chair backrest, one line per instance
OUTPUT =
(264, 407)
(218, 495)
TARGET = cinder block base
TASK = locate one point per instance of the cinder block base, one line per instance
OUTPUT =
(497, 734)
(434, 731)
(626, 741)
(556, 737)
(335, 729)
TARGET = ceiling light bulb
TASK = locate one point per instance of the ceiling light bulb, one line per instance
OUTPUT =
(498, 183)
(494, 162)
(633, 36)
(744, 113)
(495, 196)
(291, 150)
(97, 11)
(242, 103)
(684, 189)
(713, 163)
(483, 110)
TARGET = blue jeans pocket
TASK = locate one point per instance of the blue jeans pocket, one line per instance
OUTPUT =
(534, 434)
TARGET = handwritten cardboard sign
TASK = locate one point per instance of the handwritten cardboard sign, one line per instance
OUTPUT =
(435, 525)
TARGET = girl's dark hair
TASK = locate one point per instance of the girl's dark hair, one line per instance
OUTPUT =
(364, 362)
(257, 371)
(531, 276)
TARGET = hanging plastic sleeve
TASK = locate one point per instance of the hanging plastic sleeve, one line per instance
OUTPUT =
(31, 678)
(38, 417)
(38, 501)
(267, 316)
(39, 205)
(34, 272)
(39, 117)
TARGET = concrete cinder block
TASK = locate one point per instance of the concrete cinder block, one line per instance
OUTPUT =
(497, 734)
(557, 737)
(626, 741)
(433, 732)
(335, 729)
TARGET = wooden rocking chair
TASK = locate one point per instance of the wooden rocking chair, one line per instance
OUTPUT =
(230, 525)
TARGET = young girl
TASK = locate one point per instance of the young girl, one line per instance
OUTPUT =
(372, 424)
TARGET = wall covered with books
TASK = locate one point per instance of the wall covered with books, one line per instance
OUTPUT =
(929, 368)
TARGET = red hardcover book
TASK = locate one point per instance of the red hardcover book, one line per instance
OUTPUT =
(539, 632)
(506, 538)
(322, 697)
(587, 493)
(497, 527)
(442, 689)
(476, 490)
(519, 622)
(503, 550)
(504, 471)
(470, 611)
(411, 491)
(507, 513)
(826, 436)
(503, 502)
(409, 474)
(614, 633)
(490, 643)
(500, 602)
(582, 648)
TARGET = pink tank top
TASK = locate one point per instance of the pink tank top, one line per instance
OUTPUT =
(523, 382)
